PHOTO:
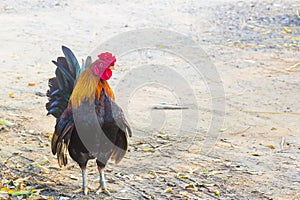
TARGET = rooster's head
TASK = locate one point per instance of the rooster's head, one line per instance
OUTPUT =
(103, 66)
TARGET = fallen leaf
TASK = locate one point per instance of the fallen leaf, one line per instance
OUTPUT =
(217, 192)
(222, 130)
(153, 173)
(286, 30)
(73, 177)
(6, 123)
(271, 147)
(148, 149)
(31, 84)
(190, 186)
(4, 189)
(48, 135)
(255, 154)
(273, 129)
(11, 95)
(182, 176)
(21, 192)
(168, 190)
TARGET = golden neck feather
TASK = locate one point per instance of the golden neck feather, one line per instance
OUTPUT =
(89, 87)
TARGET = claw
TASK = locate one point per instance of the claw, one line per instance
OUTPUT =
(102, 187)
(104, 191)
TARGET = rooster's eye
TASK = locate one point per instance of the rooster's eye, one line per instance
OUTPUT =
(101, 64)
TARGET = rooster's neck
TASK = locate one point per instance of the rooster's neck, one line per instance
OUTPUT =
(89, 87)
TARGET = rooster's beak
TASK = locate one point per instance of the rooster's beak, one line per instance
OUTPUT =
(112, 68)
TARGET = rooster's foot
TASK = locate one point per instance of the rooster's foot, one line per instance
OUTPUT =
(103, 190)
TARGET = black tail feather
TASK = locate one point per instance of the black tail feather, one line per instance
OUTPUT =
(61, 86)
(72, 61)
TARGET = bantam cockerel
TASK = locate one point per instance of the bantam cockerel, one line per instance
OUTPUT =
(89, 124)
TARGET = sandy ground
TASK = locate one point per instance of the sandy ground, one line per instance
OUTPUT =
(255, 49)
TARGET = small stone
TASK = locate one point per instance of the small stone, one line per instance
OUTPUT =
(40, 94)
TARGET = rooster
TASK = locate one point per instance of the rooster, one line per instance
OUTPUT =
(89, 124)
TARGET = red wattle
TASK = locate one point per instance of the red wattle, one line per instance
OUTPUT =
(106, 74)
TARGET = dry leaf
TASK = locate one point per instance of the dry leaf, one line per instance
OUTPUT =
(11, 95)
(48, 135)
(73, 177)
(182, 176)
(286, 30)
(6, 123)
(255, 154)
(273, 129)
(31, 84)
(168, 190)
(271, 147)
(222, 130)
(190, 186)
(148, 149)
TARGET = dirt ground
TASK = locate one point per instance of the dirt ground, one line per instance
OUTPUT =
(253, 45)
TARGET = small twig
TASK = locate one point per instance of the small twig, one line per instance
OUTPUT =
(122, 198)
(167, 106)
(293, 66)
(269, 59)
(162, 146)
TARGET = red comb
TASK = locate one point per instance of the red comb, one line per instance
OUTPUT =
(107, 59)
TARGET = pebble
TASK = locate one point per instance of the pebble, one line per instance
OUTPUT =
(40, 94)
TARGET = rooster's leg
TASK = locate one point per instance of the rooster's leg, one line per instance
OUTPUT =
(84, 180)
(102, 187)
